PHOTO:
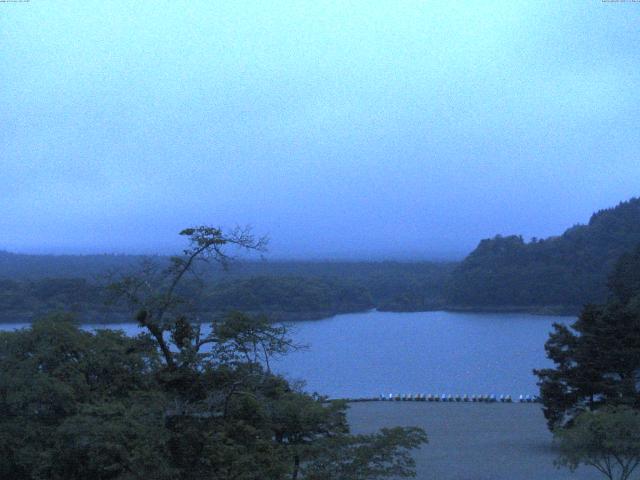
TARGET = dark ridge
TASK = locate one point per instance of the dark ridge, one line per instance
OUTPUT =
(563, 272)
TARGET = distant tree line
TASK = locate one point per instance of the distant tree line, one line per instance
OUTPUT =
(553, 275)
(562, 272)
(287, 292)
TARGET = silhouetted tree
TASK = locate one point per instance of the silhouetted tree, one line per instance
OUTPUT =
(607, 440)
(175, 402)
(598, 358)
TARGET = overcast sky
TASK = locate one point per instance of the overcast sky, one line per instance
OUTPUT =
(340, 129)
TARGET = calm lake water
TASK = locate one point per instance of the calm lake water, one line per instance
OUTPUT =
(372, 353)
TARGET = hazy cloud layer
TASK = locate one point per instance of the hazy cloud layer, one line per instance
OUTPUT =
(348, 129)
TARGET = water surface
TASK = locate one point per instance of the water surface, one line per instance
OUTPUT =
(373, 353)
(367, 354)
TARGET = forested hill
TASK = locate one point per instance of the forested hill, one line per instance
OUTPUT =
(18, 266)
(554, 275)
(557, 274)
(32, 285)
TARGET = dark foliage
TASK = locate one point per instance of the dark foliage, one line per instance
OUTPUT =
(598, 358)
(284, 290)
(607, 440)
(176, 402)
(566, 271)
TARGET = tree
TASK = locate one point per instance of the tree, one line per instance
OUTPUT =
(178, 402)
(561, 272)
(598, 358)
(155, 297)
(75, 404)
(607, 440)
(366, 457)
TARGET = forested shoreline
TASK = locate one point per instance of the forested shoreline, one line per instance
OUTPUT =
(557, 273)
(284, 291)
(553, 276)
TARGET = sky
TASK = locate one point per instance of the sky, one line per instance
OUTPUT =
(351, 130)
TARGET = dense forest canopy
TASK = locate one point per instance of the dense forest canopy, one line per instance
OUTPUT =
(565, 271)
(19, 266)
(31, 285)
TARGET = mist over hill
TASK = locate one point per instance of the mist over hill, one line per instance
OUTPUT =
(553, 275)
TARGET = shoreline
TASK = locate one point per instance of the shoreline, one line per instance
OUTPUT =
(293, 317)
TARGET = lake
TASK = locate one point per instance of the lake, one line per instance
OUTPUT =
(373, 353)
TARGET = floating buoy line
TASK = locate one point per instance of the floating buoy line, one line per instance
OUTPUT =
(420, 397)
